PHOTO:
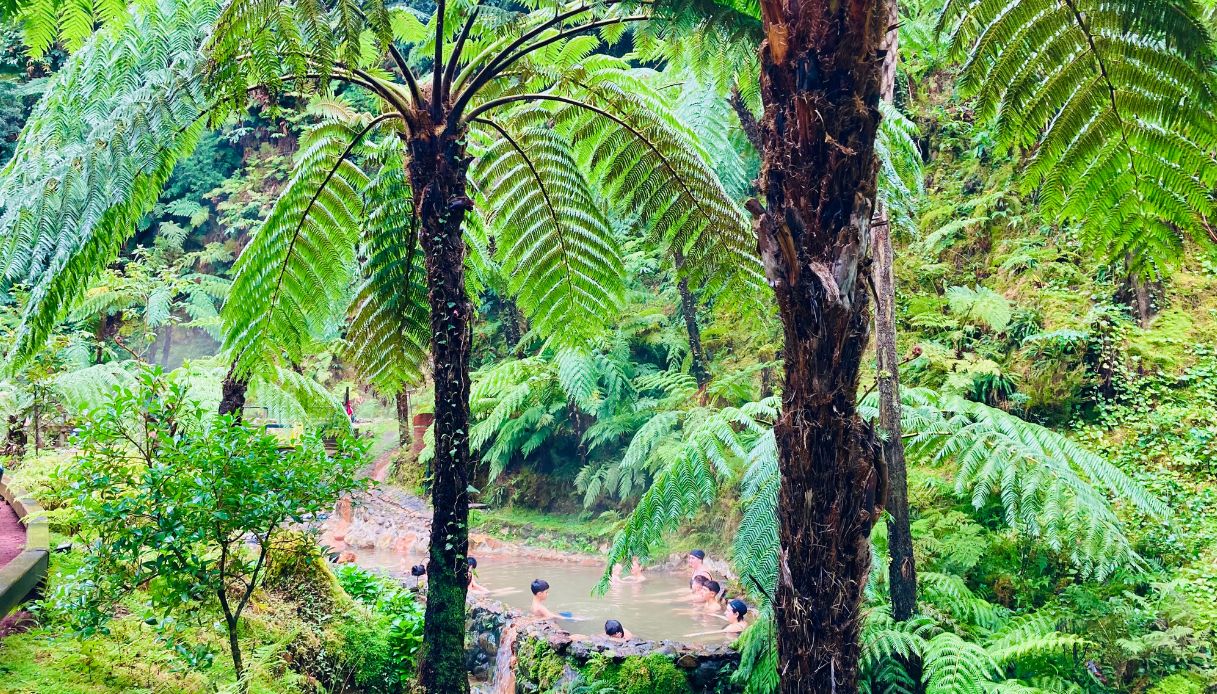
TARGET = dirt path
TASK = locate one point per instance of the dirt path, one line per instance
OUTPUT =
(12, 534)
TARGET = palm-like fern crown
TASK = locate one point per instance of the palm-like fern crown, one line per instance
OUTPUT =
(1116, 98)
(559, 135)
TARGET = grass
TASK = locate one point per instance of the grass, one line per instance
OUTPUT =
(567, 533)
(131, 660)
(591, 534)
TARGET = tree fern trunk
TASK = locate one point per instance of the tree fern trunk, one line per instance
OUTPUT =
(688, 310)
(104, 326)
(232, 394)
(513, 322)
(403, 419)
(437, 170)
(820, 83)
(167, 346)
(1144, 308)
(747, 121)
(902, 571)
(697, 354)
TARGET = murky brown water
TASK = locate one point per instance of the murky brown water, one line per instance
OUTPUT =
(654, 609)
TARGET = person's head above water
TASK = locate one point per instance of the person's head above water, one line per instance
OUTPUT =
(636, 566)
(713, 588)
(698, 581)
(696, 557)
(539, 587)
(738, 608)
(418, 570)
(613, 628)
(473, 563)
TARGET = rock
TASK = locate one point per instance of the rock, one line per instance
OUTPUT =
(687, 661)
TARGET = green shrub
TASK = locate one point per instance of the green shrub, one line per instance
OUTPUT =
(363, 585)
(1180, 683)
(399, 618)
(363, 655)
(651, 674)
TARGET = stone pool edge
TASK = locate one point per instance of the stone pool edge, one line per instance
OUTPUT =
(707, 667)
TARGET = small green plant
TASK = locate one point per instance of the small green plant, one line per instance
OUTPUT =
(189, 508)
(651, 674)
(402, 613)
(362, 585)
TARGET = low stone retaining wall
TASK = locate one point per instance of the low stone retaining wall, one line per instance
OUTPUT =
(23, 577)
(542, 655)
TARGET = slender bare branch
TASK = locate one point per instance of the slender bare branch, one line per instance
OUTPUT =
(457, 49)
(489, 73)
(437, 66)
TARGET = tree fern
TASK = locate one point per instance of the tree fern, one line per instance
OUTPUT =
(94, 156)
(1115, 98)
(555, 244)
(69, 23)
(1050, 487)
(680, 202)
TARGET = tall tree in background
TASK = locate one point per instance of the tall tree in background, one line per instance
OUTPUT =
(902, 570)
(401, 402)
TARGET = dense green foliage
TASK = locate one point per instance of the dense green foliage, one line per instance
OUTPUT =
(1048, 168)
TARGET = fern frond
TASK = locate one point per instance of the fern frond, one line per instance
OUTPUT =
(292, 279)
(1115, 98)
(390, 330)
(555, 245)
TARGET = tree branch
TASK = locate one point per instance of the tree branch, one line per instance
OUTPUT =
(457, 49)
(504, 60)
(437, 67)
(406, 74)
(526, 36)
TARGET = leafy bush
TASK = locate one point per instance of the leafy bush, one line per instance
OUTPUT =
(1180, 683)
(363, 585)
(651, 674)
(188, 508)
(399, 617)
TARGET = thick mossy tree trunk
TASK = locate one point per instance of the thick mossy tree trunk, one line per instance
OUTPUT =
(437, 169)
(404, 432)
(820, 83)
(902, 571)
